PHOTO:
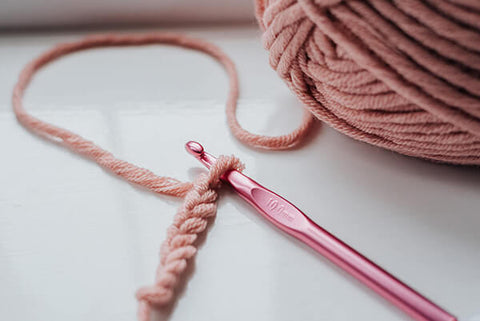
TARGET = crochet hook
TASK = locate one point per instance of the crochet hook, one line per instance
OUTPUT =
(291, 220)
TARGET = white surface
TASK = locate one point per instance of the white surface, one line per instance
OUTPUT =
(76, 242)
(54, 13)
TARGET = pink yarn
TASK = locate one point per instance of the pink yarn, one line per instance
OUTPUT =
(403, 74)
(199, 197)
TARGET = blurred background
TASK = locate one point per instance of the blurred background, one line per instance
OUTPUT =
(70, 13)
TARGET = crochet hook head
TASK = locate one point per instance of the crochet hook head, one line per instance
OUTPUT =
(196, 149)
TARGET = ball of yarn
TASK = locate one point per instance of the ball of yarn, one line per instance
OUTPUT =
(403, 75)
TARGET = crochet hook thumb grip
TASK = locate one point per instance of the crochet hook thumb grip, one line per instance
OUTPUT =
(291, 220)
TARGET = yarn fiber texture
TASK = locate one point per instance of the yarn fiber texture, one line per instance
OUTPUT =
(403, 75)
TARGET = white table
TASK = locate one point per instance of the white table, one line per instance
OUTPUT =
(76, 242)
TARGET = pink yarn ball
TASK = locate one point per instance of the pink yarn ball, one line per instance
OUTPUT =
(403, 75)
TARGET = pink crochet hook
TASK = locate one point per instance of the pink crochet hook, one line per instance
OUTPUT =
(291, 220)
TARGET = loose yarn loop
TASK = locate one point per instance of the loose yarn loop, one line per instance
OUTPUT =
(200, 196)
(403, 74)
(88, 149)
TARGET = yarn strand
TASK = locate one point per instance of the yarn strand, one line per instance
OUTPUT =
(199, 197)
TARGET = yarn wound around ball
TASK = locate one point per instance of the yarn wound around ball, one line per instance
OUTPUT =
(403, 75)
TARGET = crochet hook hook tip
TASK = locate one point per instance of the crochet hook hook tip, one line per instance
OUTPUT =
(194, 148)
